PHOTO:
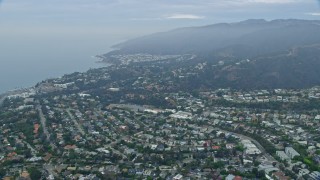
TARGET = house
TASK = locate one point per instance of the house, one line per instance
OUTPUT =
(139, 171)
(71, 168)
(230, 177)
(178, 177)
(316, 159)
(215, 147)
(36, 128)
(230, 146)
(163, 174)
(47, 157)
(25, 175)
(131, 171)
(160, 147)
(303, 172)
(70, 147)
(280, 176)
(147, 172)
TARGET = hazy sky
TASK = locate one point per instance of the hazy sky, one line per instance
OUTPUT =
(48, 38)
(128, 18)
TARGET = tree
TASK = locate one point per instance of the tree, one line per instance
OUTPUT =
(2, 172)
(35, 174)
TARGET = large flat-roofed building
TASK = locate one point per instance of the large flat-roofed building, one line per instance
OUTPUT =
(291, 152)
(282, 155)
(251, 149)
(315, 175)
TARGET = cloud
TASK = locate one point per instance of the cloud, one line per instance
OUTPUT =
(254, 2)
(184, 16)
(145, 19)
(272, 1)
(314, 14)
(172, 16)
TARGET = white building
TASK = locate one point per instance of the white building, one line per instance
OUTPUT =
(291, 152)
(230, 177)
(282, 155)
(181, 115)
(315, 175)
(251, 149)
(303, 172)
(178, 177)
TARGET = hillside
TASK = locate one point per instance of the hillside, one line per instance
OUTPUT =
(280, 53)
(297, 68)
(246, 39)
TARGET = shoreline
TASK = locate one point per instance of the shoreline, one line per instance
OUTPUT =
(98, 61)
(15, 91)
(3, 96)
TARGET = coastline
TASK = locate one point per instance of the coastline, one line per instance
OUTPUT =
(8, 91)
(99, 60)
(4, 95)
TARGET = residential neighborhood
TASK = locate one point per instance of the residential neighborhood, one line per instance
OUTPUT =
(113, 124)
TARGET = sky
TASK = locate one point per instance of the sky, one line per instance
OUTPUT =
(125, 19)
(48, 38)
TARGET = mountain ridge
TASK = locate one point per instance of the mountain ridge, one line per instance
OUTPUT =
(210, 38)
(284, 53)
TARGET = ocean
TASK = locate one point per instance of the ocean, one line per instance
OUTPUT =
(25, 61)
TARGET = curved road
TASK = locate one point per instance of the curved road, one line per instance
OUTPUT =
(259, 146)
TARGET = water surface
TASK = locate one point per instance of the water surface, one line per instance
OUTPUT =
(26, 60)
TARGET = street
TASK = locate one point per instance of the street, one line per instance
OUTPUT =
(43, 121)
(259, 146)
